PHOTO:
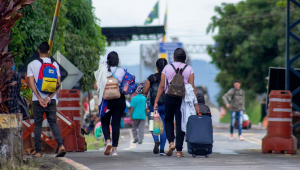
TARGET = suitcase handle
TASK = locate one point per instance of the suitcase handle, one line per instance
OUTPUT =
(201, 149)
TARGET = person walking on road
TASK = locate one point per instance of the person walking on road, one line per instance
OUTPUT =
(116, 107)
(234, 100)
(138, 116)
(44, 102)
(173, 104)
(152, 85)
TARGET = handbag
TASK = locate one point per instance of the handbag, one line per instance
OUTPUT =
(112, 90)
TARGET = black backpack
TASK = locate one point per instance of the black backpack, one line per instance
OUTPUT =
(153, 93)
(23, 107)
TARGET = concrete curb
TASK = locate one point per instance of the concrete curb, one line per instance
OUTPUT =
(76, 165)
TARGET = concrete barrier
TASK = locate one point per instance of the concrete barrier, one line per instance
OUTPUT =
(11, 141)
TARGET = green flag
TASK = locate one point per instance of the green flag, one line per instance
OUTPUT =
(153, 14)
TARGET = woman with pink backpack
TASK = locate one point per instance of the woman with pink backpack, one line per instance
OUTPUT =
(173, 79)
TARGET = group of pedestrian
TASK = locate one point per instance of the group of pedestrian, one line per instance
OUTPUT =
(111, 80)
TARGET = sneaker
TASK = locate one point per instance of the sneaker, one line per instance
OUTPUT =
(135, 141)
(240, 138)
(156, 150)
(162, 153)
(114, 153)
(108, 148)
(140, 142)
(231, 137)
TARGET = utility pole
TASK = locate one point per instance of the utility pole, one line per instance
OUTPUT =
(141, 62)
(54, 24)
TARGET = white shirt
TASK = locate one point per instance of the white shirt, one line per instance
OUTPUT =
(187, 106)
(119, 74)
(33, 69)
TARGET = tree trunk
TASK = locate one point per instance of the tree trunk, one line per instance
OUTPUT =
(11, 141)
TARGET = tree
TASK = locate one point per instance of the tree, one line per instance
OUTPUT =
(84, 42)
(35, 27)
(9, 14)
(250, 39)
(78, 35)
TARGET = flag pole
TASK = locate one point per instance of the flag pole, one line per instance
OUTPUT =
(158, 12)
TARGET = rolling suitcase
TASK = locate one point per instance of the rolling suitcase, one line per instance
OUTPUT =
(199, 135)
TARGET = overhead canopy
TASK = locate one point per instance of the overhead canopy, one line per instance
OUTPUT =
(123, 35)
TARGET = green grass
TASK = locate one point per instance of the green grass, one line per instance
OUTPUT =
(92, 143)
(253, 111)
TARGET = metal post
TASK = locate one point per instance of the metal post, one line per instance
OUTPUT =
(56, 14)
(287, 60)
(141, 62)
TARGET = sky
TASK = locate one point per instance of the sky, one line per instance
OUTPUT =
(187, 20)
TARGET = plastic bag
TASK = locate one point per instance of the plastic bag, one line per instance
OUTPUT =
(161, 128)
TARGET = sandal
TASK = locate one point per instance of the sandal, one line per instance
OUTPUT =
(61, 152)
(179, 154)
(37, 155)
(171, 149)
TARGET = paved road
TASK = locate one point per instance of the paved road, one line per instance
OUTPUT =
(226, 155)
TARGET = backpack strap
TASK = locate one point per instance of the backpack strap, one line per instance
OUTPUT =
(154, 78)
(40, 60)
(52, 61)
(233, 94)
(174, 68)
(113, 74)
(184, 68)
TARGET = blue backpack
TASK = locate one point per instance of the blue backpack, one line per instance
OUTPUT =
(128, 85)
(47, 79)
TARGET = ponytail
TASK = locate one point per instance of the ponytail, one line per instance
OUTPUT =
(112, 60)
(160, 64)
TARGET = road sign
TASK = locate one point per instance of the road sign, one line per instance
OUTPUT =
(74, 74)
(166, 50)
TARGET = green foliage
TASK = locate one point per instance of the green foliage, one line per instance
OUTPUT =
(250, 39)
(84, 42)
(78, 35)
(253, 111)
(9, 15)
(35, 27)
(93, 143)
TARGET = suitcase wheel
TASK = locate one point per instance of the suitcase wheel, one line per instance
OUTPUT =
(206, 156)
(194, 156)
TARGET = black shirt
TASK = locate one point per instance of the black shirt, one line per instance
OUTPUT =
(154, 77)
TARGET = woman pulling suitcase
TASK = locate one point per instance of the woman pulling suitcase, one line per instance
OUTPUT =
(152, 85)
(175, 76)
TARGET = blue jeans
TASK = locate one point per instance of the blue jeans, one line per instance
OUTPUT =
(163, 137)
(239, 116)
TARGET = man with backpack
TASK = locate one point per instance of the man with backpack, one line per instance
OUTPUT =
(44, 80)
(234, 100)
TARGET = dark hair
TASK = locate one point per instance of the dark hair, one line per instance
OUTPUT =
(112, 59)
(160, 64)
(44, 47)
(236, 81)
(179, 55)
